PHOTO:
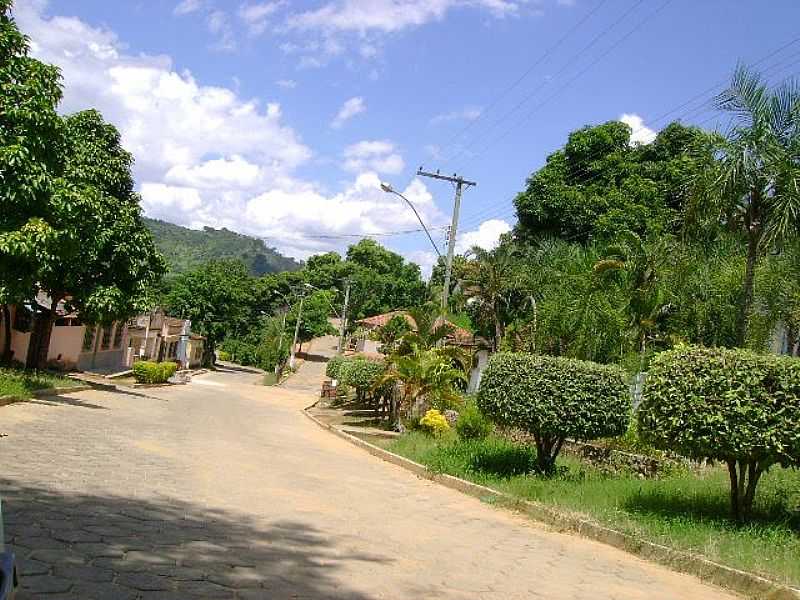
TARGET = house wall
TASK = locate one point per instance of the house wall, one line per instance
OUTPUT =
(65, 344)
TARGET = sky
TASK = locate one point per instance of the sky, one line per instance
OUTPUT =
(280, 118)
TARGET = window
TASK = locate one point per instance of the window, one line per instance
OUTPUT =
(88, 337)
(118, 336)
(106, 337)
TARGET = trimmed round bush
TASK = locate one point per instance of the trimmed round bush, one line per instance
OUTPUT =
(553, 399)
(334, 366)
(361, 374)
(472, 424)
(146, 371)
(734, 406)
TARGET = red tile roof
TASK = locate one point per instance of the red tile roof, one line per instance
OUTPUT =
(459, 334)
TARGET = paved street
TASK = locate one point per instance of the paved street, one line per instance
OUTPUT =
(223, 489)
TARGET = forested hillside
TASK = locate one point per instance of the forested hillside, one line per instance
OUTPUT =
(185, 249)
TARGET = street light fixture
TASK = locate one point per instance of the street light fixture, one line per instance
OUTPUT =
(386, 187)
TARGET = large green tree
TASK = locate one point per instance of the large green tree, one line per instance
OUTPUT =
(600, 184)
(217, 298)
(30, 145)
(97, 255)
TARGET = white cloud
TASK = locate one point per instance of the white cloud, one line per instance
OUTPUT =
(469, 113)
(389, 15)
(220, 26)
(287, 84)
(426, 260)
(486, 236)
(565, 2)
(640, 133)
(256, 15)
(349, 109)
(377, 155)
(188, 6)
(206, 156)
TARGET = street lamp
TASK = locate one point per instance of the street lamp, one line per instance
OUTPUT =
(386, 187)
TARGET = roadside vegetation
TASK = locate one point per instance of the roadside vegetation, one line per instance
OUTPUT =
(20, 384)
(684, 510)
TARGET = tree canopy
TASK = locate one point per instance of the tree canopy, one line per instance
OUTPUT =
(600, 184)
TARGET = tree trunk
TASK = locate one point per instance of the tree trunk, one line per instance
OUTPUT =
(6, 357)
(547, 449)
(39, 344)
(754, 234)
(744, 477)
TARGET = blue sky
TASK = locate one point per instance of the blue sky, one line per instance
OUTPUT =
(279, 119)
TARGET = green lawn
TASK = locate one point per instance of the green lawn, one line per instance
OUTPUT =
(20, 383)
(682, 510)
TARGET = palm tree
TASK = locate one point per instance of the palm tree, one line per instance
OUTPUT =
(489, 279)
(423, 373)
(759, 170)
(641, 266)
(428, 329)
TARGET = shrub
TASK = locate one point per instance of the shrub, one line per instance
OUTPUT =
(554, 399)
(152, 372)
(334, 366)
(434, 423)
(361, 374)
(223, 355)
(472, 424)
(730, 405)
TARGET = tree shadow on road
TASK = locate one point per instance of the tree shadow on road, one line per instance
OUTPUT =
(105, 546)
(66, 401)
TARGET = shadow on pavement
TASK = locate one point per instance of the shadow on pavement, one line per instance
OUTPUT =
(66, 400)
(101, 546)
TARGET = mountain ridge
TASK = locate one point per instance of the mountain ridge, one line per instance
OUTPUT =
(185, 249)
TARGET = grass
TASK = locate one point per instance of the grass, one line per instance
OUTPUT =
(21, 384)
(682, 510)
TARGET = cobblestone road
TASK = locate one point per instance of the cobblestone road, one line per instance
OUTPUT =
(223, 489)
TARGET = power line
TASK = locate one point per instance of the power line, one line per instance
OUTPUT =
(572, 60)
(702, 108)
(600, 57)
(525, 74)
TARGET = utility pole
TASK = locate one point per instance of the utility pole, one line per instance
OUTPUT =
(460, 184)
(343, 319)
(297, 329)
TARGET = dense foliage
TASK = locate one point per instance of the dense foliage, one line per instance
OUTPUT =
(554, 399)
(361, 375)
(472, 424)
(186, 249)
(216, 298)
(70, 222)
(728, 405)
(153, 372)
(334, 367)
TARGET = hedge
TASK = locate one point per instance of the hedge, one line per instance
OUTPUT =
(360, 374)
(553, 399)
(146, 371)
(334, 366)
(729, 405)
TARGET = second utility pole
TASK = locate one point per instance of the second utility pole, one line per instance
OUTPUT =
(460, 183)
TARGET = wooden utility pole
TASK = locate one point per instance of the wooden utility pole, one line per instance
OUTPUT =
(460, 184)
(343, 319)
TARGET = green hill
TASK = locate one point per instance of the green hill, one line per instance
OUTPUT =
(185, 248)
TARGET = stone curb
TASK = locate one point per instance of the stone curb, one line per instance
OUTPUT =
(753, 586)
